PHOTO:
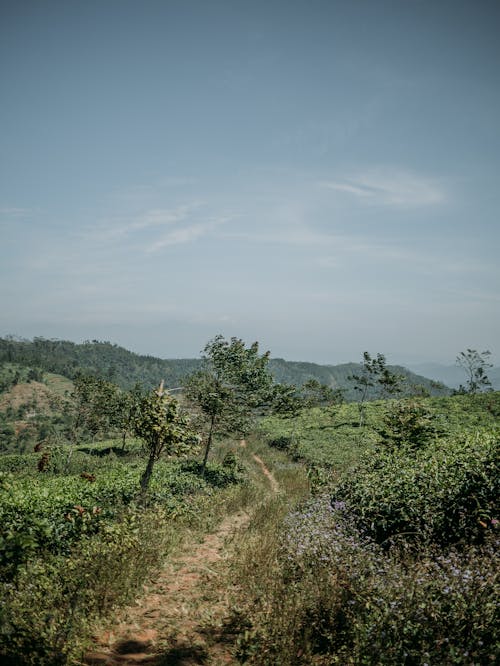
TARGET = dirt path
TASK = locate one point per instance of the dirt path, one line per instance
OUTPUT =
(274, 484)
(267, 473)
(183, 618)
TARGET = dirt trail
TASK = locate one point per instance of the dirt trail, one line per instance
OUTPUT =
(183, 618)
(274, 484)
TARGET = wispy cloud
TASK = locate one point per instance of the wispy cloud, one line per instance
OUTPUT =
(187, 234)
(157, 228)
(15, 212)
(113, 228)
(389, 187)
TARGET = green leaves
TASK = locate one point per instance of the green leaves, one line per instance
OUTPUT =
(475, 364)
(375, 373)
(162, 428)
(409, 423)
(444, 493)
(233, 387)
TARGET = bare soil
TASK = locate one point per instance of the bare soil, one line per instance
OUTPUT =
(35, 394)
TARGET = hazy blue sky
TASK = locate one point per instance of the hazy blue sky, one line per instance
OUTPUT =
(321, 176)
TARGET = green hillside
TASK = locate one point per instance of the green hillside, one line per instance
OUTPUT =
(337, 376)
(348, 522)
(102, 359)
(126, 368)
(332, 437)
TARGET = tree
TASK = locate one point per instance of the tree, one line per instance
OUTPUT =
(232, 388)
(475, 364)
(409, 423)
(162, 428)
(316, 394)
(94, 408)
(375, 377)
(124, 410)
(288, 401)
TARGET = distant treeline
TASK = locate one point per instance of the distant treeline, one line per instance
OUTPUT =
(125, 368)
(102, 359)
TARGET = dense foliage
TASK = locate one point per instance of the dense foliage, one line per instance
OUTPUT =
(102, 359)
(331, 437)
(393, 558)
(336, 597)
(396, 561)
(444, 493)
(232, 388)
(75, 541)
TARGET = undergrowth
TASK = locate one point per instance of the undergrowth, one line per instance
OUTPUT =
(393, 560)
(74, 549)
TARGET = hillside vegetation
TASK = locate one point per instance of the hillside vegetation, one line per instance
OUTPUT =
(367, 532)
(125, 368)
(394, 559)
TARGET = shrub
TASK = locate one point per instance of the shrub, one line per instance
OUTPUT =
(47, 612)
(408, 423)
(444, 493)
(282, 443)
(339, 598)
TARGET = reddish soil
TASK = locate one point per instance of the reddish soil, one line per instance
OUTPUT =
(36, 394)
(183, 618)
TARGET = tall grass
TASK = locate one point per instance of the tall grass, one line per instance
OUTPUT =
(322, 583)
(48, 611)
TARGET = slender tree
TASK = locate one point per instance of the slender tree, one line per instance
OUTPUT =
(315, 394)
(475, 364)
(232, 388)
(163, 429)
(376, 378)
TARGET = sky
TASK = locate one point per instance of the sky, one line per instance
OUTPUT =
(322, 176)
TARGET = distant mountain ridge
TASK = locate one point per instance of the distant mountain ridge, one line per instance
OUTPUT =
(126, 368)
(337, 376)
(452, 375)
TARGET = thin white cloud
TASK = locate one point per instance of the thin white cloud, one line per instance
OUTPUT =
(357, 190)
(15, 212)
(389, 187)
(113, 228)
(149, 219)
(159, 217)
(299, 235)
(187, 234)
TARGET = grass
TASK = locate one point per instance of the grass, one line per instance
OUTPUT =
(61, 386)
(54, 592)
(311, 585)
(317, 587)
(332, 437)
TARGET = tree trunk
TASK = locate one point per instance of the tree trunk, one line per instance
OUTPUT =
(209, 443)
(146, 477)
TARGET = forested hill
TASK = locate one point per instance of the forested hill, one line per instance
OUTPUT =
(102, 359)
(126, 368)
(337, 376)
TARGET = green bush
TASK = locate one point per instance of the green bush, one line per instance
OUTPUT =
(282, 443)
(409, 423)
(51, 513)
(445, 493)
(47, 613)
